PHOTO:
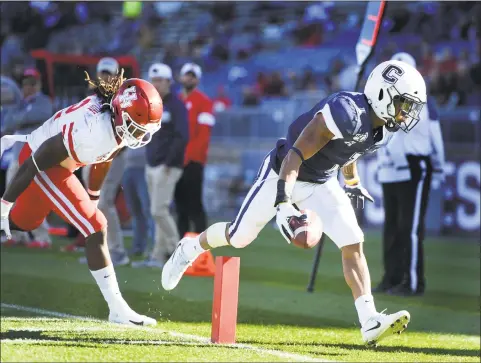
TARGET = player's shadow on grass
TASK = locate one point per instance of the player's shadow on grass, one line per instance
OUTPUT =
(388, 349)
(37, 336)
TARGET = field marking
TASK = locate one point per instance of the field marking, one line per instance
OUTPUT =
(73, 329)
(277, 353)
(106, 341)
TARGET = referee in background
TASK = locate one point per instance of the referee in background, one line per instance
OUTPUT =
(407, 167)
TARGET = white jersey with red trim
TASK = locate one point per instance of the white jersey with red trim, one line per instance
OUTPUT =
(87, 133)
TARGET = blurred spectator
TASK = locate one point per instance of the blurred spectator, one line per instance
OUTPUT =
(244, 43)
(272, 33)
(275, 86)
(165, 160)
(307, 81)
(317, 12)
(220, 45)
(223, 12)
(137, 199)
(33, 111)
(427, 59)
(333, 78)
(250, 97)
(10, 98)
(12, 49)
(166, 8)
(261, 83)
(188, 193)
(447, 63)
(15, 69)
(221, 102)
(308, 35)
(143, 42)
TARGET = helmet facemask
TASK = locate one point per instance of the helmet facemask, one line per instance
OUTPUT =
(132, 134)
(408, 109)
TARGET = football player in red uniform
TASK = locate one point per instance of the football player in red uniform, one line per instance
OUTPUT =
(91, 132)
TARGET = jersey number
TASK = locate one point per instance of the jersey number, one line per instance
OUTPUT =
(72, 108)
(353, 158)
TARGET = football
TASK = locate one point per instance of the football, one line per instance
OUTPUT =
(307, 231)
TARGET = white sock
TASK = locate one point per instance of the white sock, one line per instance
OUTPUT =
(365, 308)
(192, 248)
(107, 282)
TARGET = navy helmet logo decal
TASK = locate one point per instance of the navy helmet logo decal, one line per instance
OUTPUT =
(392, 73)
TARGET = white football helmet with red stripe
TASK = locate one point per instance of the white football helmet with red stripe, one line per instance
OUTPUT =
(137, 109)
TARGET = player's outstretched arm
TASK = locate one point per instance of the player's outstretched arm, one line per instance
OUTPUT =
(312, 139)
(51, 153)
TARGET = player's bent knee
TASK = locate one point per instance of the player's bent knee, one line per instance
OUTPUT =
(98, 222)
(96, 239)
(351, 250)
(242, 239)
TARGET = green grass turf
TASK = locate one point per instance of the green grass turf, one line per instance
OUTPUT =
(275, 312)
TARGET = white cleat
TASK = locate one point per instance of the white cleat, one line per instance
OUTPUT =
(126, 316)
(175, 267)
(382, 325)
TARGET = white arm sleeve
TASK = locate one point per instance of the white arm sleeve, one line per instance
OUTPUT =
(330, 123)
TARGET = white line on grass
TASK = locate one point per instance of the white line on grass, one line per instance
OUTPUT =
(277, 353)
(103, 341)
(70, 329)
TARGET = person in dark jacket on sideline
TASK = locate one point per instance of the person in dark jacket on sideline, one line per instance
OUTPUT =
(165, 160)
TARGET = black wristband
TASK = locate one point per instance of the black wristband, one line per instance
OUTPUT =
(298, 152)
(94, 197)
(281, 195)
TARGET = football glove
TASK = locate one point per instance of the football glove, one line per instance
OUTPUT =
(357, 193)
(284, 212)
(4, 213)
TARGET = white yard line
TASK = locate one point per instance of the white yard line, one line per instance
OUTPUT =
(104, 341)
(277, 353)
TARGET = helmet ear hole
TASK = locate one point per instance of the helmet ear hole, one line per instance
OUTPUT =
(381, 95)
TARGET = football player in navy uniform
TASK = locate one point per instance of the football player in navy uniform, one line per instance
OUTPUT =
(301, 173)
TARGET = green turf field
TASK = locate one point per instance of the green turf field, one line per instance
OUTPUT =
(45, 294)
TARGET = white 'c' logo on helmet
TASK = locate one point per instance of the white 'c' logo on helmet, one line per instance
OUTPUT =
(126, 98)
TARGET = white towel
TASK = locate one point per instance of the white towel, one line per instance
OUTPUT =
(7, 141)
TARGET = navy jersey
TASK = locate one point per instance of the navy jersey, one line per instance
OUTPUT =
(347, 115)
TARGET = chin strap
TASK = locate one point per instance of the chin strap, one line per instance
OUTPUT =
(392, 126)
